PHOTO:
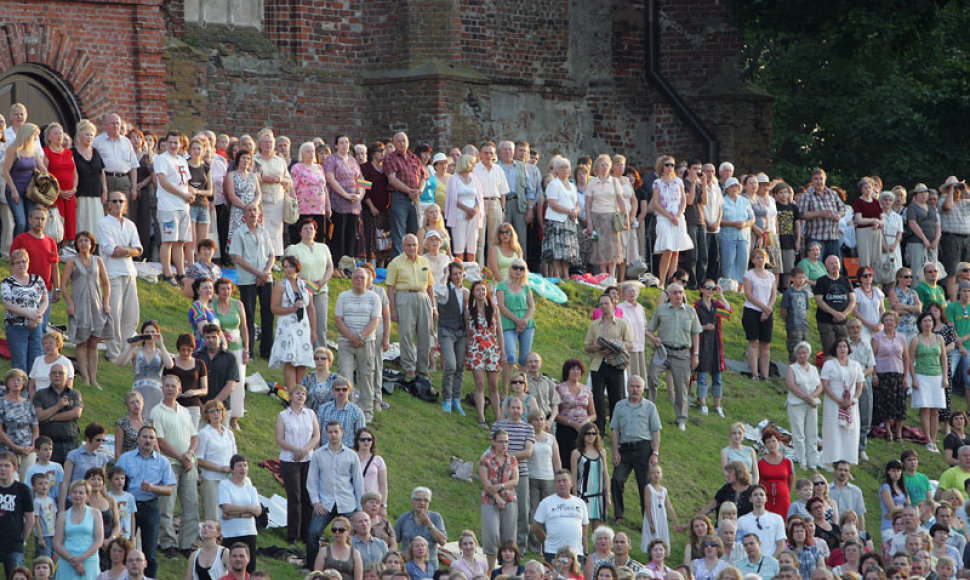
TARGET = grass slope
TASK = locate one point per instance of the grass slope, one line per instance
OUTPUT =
(417, 439)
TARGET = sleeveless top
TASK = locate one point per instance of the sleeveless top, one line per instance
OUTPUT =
(743, 455)
(928, 359)
(230, 325)
(889, 359)
(214, 572)
(22, 171)
(502, 262)
(540, 464)
(199, 178)
(345, 567)
(517, 303)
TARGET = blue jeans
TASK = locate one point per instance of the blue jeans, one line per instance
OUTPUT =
(829, 248)
(147, 519)
(47, 550)
(717, 389)
(521, 339)
(404, 220)
(11, 560)
(25, 345)
(20, 212)
(960, 365)
(734, 258)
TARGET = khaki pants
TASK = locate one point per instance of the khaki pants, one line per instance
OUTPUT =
(186, 488)
(210, 499)
(414, 330)
(360, 359)
(489, 230)
(678, 365)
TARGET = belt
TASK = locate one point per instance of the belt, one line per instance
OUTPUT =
(112, 174)
(413, 291)
(640, 443)
(957, 235)
(511, 197)
(668, 347)
(491, 199)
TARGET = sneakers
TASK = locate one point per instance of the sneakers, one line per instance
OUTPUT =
(932, 448)
(703, 409)
(456, 407)
(720, 412)
(446, 405)
(681, 425)
(863, 456)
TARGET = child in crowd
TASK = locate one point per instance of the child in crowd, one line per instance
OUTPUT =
(659, 510)
(799, 507)
(43, 568)
(789, 230)
(124, 500)
(45, 515)
(794, 309)
(54, 471)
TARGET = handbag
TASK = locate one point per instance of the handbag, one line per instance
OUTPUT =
(291, 209)
(55, 224)
(619, 223)
(43, 189)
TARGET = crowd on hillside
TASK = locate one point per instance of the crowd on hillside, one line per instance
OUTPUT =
(419, 220)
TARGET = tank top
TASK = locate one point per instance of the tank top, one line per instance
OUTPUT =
(199, 179)
(540, 464)
(503, 262)
(928, 359)
(214, 572)
(345, 567)
(743, 455)
(230, 325)
(517, 303)
(22, 171)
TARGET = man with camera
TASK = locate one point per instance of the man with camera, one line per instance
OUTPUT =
(955, 224)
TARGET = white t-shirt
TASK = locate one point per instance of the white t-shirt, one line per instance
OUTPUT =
(176, 172)
(563, 194)
(769, 527)
(230, 493)
(41, 371)
(564, 520)
(712, 209)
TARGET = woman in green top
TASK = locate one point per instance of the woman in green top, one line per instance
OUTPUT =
(232, 319)
(515, 303)
(928, 361)
(317, 270)
(814, 269)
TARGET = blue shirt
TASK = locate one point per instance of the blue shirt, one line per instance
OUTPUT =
(335, 480)
(766, 566)
(736, 211)
(406, 528)
(155, 469)
(351, 419)
(84, 460)
(510, 177)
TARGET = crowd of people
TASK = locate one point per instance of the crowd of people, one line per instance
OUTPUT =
(282, 227)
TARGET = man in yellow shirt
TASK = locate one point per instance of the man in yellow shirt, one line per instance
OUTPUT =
(409, 291)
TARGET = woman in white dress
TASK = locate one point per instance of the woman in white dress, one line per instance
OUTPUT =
(804, 390)
(275, 183)
(869, 303)
(629, 244)
(842, 383)
(669, 202)
(892, 232)
(295, 324)
(656, 525)
(928, 367)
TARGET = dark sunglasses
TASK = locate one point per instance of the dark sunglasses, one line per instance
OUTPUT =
(366, 439)
(866, 276)
(668, 164)
(116, 201)
(518, 267)
(906, 276)
(709, 544)
(709, 287)
(517, 382)
(338, 530)
(341, 389)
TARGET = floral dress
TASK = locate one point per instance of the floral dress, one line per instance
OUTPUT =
(907, 322)
(293, 343)
(483, 350)
(246, 192)
(310, 186)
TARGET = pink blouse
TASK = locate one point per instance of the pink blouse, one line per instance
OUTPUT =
(310, 186)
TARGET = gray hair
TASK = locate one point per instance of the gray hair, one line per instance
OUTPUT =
(802, 345)
(420, 489)
(560, 162)
(308, 145)
(726, 165)
(603, 531)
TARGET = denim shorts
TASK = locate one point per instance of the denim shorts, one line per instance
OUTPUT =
(199, 214)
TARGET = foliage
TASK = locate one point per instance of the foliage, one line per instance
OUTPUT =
(862, 88)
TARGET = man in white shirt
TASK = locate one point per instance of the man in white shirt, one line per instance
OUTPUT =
(562, 519)
(769, 527)
(495, 187)
(713, 208)
(118, 243)
(357, 315)
(174, 195)
(120, 161)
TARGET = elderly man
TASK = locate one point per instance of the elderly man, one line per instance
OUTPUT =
(542, 388)
(955, 223)
(406, 175)
(910, 520)
(342, 410)
(335, 485)
(372, 550)
(562, 519)
(727, 531)
(173, 198)
(521, 198)
(118, 243)
(422, 522)
(251, 250)
(635, 442)
(357, 314)
(150, 477)
(120, 160)
(495, 187)
(680, 328)
(58, 410)
(956, 476)
(835, 300)
(821, 208)
(178, 439)
(410, 290)
(762, 565)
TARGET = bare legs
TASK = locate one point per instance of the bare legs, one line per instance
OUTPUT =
(668, 265)
(87, 361)
(292, 375)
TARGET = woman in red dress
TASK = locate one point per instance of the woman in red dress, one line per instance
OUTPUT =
(60, 164)
(777, 473)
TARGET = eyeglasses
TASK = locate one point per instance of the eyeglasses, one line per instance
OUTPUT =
(321, 358)
(818, 483)
(668, 164)
(588, 433)
(517, 382)
(709, 287)
(907, 276)
(518, 267)
(366, 439)
(340, 389)
(866, 276)
(338, 530)
(709, 544)
(116, 201)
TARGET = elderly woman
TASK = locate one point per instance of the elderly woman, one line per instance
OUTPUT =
(560, 241)
(53, 344)
(668, 203)
(310, 187)
(243, 189)
(24, 302)
(60, 164)
(892, 232)
(842, 383)
(127, 427)
(18, 421)
(275, 182)
(923, 225)
(217, 445)
(889, 384)
(316, 271)
(814, 269)
(297, 435)
(804, 389)
(342, 174)
(498, 472)
(78, 535)
(605, 376)
(92, 184)
(22, 158)
(735, 238)
(576, 408)
(464, 209)
(604, 199)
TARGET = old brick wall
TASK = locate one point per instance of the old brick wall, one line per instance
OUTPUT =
(108, 68)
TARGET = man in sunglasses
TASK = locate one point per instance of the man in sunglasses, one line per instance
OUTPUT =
(118, 243)
(334, 483)
(955, 224)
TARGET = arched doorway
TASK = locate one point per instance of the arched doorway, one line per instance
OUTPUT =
(45, 94)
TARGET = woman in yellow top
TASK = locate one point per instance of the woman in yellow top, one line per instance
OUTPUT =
(501, 255)
(316, 272)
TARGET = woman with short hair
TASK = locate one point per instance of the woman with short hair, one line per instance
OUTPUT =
(243, 189)
(560, 238)
(240, 507)
(498, 471)
(87, 293)
(342, 174)
(92, 183)
(217, 445)
(232, 320)
(40, 373)
(24, 302)
(78, 535)
(316, 271)
(604, 199)
(310, 188)
(296, 324)
(275, 184)
(19, 427)
(377, 202)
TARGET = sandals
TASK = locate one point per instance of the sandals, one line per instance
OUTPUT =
(171, 280)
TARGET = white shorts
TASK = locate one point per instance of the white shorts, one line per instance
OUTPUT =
(176, 225)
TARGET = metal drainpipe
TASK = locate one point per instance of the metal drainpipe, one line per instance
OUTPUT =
(668, 91)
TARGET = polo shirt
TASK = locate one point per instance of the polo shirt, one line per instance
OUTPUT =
(635, 422)
(154, 469)
(175, 426)
(58, 430)
(406, 528)
(254, 247)
(953, 478)
(357, 311)
(222, 368)
(405, 274)
(675, 326)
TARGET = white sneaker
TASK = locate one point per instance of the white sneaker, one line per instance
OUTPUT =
(863, 456)
(704, 410)
(720, 412)
(682, 426)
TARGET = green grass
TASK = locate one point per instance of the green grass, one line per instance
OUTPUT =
(417, 439)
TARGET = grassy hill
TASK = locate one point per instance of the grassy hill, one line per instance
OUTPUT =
(417, 439)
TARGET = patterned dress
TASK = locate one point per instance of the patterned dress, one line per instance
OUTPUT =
(590, 487)
(907, 322)
(483, 350)
(245, 186)
(148, 380)
(293, 343)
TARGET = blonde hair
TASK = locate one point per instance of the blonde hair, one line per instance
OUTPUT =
(50, 128)
(267, 132)
(15, 373)
(439, 225)
(601, 159)
(57, 336)
(83, 126)
(663, 159)
(24, 144)
(465, 163)
(513, 238)
(19, 253)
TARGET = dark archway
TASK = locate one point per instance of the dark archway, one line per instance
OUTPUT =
(45, 94)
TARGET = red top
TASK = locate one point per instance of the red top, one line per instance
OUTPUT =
(61, 166)
(775, 479)
(407, 167)
(867, 209)
(42, 252)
